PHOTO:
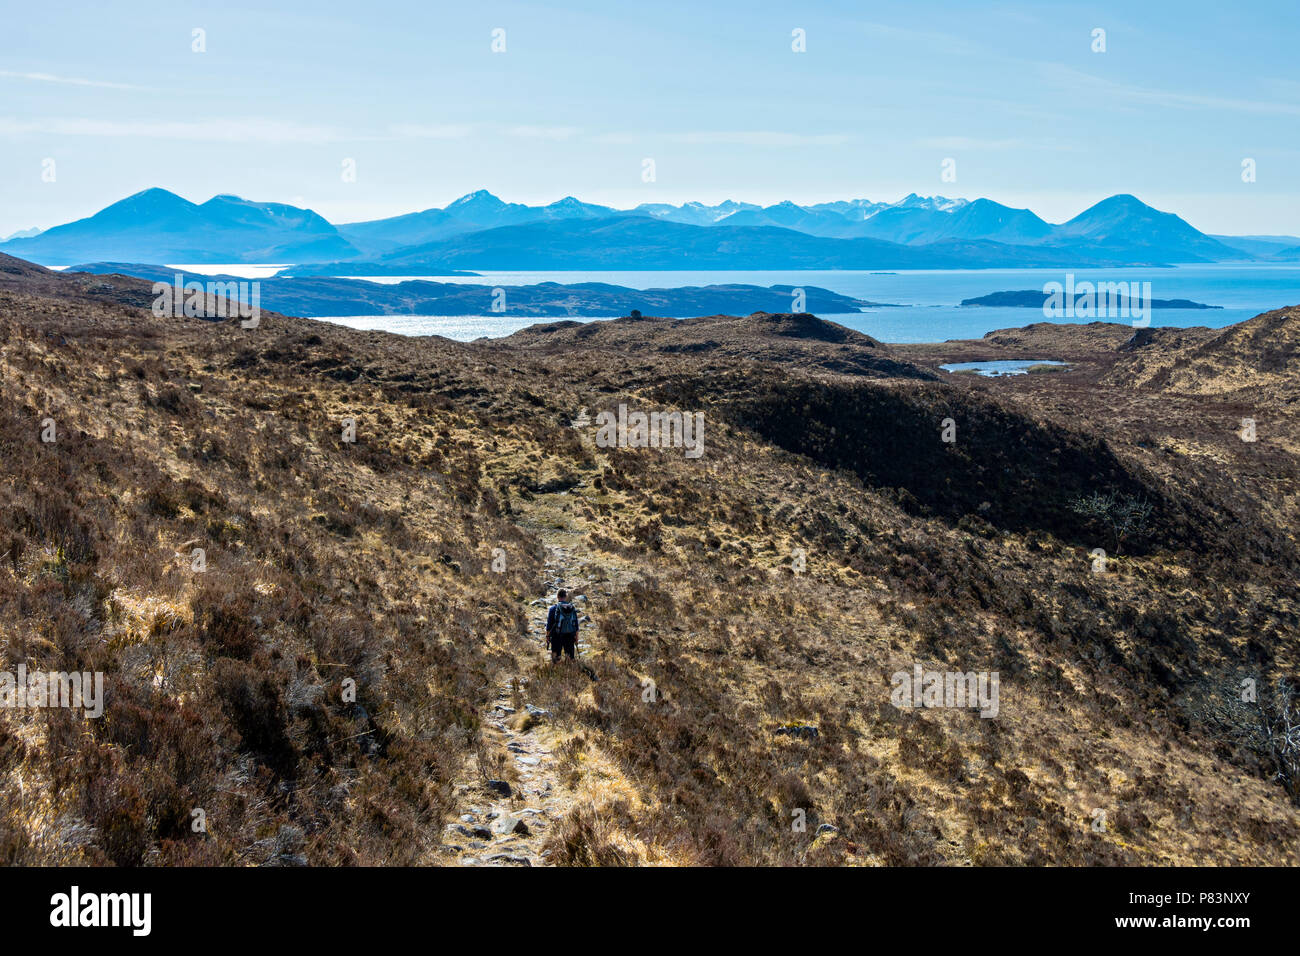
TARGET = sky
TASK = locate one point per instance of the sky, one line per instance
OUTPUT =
(98, 101)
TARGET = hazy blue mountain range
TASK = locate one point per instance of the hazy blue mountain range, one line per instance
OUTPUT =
(1265, 247)
(480, 231)
(695, 213)
(158, 226)
(639, 242)
(1133, 229)
(21, 234)
(471, 213)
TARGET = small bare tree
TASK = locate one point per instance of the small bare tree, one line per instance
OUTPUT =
(1264, 720)
(1126, 516)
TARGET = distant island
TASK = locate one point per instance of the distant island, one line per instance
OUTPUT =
(307, 296)
(1036, 298)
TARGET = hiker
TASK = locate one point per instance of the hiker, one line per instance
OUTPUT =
(562, 627)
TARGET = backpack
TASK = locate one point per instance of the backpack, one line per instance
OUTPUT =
(566, 619)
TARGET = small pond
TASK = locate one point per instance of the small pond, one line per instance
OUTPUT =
(1000, 367)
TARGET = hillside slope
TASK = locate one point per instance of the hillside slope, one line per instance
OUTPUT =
(747, 608)
(1260, 357)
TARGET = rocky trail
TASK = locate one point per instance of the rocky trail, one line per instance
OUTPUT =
(512, 793)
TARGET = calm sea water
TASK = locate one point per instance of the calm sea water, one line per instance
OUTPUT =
(929, 298)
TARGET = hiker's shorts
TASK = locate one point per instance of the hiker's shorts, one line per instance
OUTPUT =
(566, 643)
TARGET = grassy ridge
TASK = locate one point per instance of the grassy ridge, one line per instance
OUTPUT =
(371, 561)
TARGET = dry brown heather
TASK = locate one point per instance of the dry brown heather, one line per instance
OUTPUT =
(370, 561)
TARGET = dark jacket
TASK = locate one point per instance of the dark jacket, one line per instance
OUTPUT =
(553, 616)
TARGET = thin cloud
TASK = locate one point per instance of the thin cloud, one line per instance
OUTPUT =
(776, 138)
(930, 40)
(436, 131)
(463, 130)
(969, 143)
(543, 132)
(209, 131)
(1077, 79)
(974, 143)
(69, 81)
(264, 130)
